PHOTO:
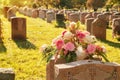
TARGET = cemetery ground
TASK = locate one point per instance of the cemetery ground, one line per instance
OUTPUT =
(24, 56)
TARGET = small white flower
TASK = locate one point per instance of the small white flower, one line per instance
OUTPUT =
(68, 35)
(103, 49)
(43, 47)
(89, 39)
(80, 53)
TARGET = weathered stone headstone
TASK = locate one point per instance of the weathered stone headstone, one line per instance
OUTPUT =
(60, 20)
(11, 12)
(50, 68)
(88, 24)
(67, 12)
(89, 16)
(87, 70)
(29, 12)
(35, 13)
(95, 14)
(42, 14)
(50, 15)
(99, 26)
(74, 17)
(18, 26)
(115, 15)
(7, 74)
(5, 9)
(82, 17)
(116, 27)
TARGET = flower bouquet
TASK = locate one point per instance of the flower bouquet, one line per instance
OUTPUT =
(74, 44)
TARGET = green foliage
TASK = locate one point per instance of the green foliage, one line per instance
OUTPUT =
(95, 4)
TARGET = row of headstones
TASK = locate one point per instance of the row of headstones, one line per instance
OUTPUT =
(91, 19)
(96, 22)
(97, 26)
(70, 15)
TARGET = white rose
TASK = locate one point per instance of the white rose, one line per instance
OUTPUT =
(80, 53)
(68, 35)
(43, 47)
(89, 39)
(103, 49)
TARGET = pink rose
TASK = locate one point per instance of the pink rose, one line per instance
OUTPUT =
(80, 35)
(91, 48)
(59, 44)
(69, 46)
(63, 33)
(56, 39)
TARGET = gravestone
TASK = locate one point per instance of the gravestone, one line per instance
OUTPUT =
(99, 26)
(60, 19)
(29, 12)
(74, 17)
(18, 26)
(5, 9)
(88, 16)
(7, 74)
(35, 13)
(67, 12)
(11, 12)
(87, 70)
(50, 68)
(116, 27)
(82, 17)
(95, 14)
(88, 24)
(42, 14)
(50, 15)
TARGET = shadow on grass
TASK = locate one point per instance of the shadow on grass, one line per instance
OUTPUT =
(2, 47)
(110, 43)
(24, 44)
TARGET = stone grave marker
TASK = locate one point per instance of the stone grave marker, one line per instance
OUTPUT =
(50, 68)
(50, 15)
(5, 9)
(11, 12)
(95, 14)
(7, 74)
(87, 70)
(18, 26)
(88, 24)
(42, 14)
(99, 26)
(82, 17)
(67, 12)
(74, 17)
(89, 16)
(35, 13)
(60, 19)
(116, 27)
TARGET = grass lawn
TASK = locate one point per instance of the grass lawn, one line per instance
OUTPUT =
(24, 56)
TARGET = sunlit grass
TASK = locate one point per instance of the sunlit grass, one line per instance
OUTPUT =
(24, 56)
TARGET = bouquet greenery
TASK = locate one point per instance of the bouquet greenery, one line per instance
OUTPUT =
(74, 44)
